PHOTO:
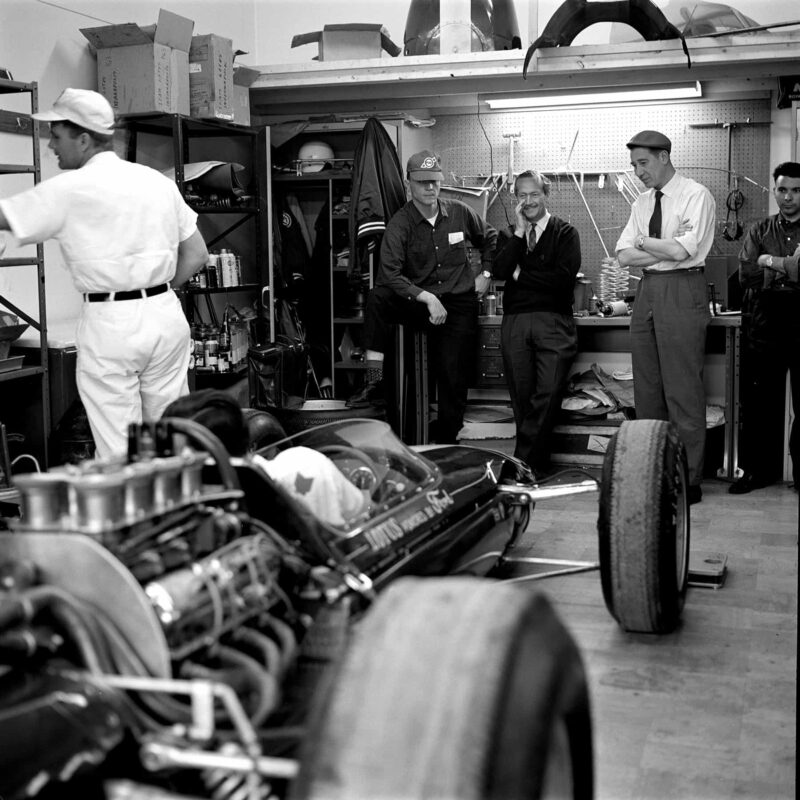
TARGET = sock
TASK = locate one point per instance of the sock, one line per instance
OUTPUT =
(374, 362)
(374, 374)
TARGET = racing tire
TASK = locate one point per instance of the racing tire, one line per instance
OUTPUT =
(643, 527)
(453, 688)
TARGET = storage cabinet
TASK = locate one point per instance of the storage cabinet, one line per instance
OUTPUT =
(330, 305)
(333, 298)
(239, 223)
(490, 371)
(24, 387)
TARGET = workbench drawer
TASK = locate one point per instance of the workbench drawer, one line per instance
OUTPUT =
(488, 340)
(490, 371)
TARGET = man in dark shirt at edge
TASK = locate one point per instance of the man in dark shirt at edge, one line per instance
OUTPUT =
(426, 280)
(539, 261)
(768, 272)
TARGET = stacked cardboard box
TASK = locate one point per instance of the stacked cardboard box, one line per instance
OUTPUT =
(142, 70)
(352, 40)
(211, 77)
(243, 77)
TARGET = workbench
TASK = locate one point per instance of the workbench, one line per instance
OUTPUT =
(598, 336)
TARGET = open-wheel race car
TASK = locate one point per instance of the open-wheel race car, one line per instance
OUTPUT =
(191, 626)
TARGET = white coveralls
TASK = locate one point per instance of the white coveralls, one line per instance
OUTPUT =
(119, 225)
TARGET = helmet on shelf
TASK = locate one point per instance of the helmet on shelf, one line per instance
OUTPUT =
(313, 156)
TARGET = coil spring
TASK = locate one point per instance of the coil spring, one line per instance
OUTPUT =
(224, 784)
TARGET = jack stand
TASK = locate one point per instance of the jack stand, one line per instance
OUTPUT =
(708, 570)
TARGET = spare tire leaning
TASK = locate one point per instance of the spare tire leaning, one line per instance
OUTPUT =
(456, 687)
(643, 527)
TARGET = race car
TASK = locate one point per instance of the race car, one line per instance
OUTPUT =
(192, 627)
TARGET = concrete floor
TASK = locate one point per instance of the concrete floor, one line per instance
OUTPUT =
(709, 711)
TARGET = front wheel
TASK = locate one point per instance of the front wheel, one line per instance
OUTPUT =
(457, 688)
(643, 527)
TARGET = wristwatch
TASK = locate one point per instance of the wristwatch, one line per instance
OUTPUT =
(486, 274)
(640, 242)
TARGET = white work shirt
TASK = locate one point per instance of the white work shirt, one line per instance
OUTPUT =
(106, 250)
(684, 200)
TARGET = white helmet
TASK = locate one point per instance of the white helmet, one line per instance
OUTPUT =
(314, 155)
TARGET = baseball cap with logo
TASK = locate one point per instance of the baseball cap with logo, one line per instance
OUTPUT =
(83, 107)
(652, 139)
(424, 166)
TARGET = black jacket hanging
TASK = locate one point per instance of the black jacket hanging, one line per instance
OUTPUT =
(378, 192)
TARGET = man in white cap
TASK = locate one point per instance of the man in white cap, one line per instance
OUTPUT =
(669, 235)
(426, 280)
(127, 238)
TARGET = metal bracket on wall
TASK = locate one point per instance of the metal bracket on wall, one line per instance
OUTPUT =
(13, 122)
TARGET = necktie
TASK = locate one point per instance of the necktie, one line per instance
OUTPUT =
(654, 229)
(532, 237)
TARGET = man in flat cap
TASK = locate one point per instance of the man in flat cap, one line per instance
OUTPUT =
(668, 236)
(425, 280)
(127, 237)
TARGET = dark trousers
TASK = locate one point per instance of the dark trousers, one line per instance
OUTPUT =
(538, 350)
(770, 349)
(452, 346)
(668, 343)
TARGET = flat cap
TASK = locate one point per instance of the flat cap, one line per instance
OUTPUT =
(652, 139)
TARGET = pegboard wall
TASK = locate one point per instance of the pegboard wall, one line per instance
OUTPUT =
(473, 147)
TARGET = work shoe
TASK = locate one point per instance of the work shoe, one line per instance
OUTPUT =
(372, 394)
(695, 494)
(747, 483)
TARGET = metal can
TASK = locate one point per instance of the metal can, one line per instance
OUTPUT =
(490, 304)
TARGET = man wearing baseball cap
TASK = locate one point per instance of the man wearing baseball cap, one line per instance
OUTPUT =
(126, 236)
(668, 236)
(425, 280)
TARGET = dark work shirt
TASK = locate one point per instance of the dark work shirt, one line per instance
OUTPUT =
(547, 275)
(773, 236)
(416, 256)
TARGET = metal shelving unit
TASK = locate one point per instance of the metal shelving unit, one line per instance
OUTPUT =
(207, 139)
(31, 412)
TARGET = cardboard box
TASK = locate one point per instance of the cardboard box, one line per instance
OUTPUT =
(141, 70)
(243, 78)
(349, 41)
(211, 77)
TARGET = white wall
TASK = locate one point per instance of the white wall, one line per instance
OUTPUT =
(42, 42)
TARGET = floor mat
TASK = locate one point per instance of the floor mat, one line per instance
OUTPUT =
(488, 414)
(487, 430)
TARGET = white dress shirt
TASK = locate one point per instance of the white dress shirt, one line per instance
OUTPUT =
(683, 200)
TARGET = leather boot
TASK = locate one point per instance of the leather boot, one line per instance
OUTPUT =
(372, 394)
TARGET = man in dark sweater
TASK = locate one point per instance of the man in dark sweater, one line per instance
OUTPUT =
(539, 262)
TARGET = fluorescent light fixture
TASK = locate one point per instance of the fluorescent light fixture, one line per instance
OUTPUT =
(678, 92)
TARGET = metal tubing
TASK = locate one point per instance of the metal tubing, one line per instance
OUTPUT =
(539, 492)
(591, 216)
(551, 574)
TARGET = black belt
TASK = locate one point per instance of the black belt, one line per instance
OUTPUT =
(648, 271)
(133, 294)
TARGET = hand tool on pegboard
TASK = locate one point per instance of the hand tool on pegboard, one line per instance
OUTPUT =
(513, 137)
(732, 229)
